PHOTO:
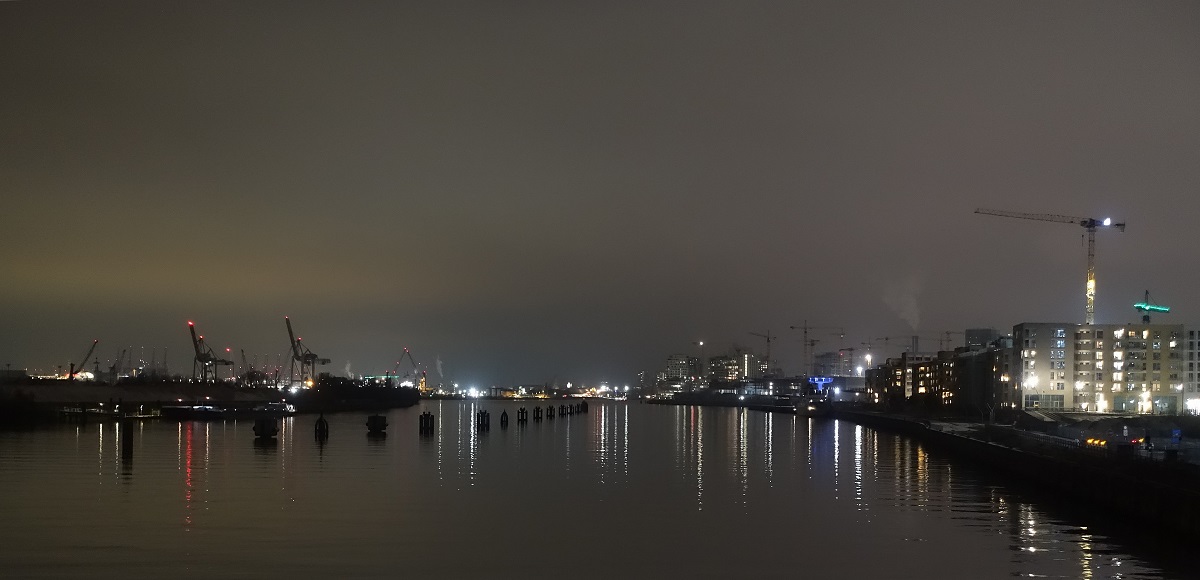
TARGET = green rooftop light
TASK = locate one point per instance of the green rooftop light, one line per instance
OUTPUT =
(1146, 307)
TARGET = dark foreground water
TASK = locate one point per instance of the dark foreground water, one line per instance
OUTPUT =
(627, 490)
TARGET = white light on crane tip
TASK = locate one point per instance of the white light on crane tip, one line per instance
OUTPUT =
(1108, 221)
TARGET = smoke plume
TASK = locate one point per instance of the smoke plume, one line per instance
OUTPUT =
(901, 297)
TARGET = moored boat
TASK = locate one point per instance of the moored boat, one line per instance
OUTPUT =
(192, 412)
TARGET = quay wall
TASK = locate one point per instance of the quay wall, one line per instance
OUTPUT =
(67, 392)
(1150, 493)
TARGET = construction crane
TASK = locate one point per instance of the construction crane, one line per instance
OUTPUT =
(250, 373)
(809, 344)
(769, 340)
(421, 384)
(1146, 306)
(945, 342)
(71, 373)
(205, 362)
(307, 359)
(1089, 224)
(915, 341)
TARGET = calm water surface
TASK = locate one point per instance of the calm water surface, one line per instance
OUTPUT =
(628, 490)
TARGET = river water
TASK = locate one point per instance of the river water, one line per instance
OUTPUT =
(626, 490)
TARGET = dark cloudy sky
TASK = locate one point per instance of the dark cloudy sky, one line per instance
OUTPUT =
(575, 190)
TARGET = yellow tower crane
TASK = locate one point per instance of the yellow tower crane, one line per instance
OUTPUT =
(1089, 224)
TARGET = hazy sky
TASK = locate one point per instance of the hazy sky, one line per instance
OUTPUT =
(575, 190)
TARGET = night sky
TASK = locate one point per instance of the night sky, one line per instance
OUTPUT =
(540, 191)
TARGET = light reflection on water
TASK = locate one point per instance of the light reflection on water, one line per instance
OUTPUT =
(632, 489)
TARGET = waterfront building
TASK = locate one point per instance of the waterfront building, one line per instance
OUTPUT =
(1100, 367)
(876, 380)
(899, 378)
(682, 367)
(723, 369)
(831, 364)
(966, 381)
(749, 366)
(1191, 384)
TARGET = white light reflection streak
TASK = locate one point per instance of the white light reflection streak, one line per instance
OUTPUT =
(837, 456)
(858, 467)
(567, 428)
(117, 448)
(440, 424)
(741, 452)
(1085, 555)
(699, 447)
(625, 440)
(809, 445)
(100, 454)
(770, 427)
(603, 442)
(473, 442)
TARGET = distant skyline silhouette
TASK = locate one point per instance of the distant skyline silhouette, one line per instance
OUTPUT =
(540, 191)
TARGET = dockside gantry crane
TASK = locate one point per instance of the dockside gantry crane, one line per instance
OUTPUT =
(419, 376)
(75, 368)
(1089, 224)
(205, 363)
(307, 359)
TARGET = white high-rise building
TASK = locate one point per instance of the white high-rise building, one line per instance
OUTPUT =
(1135, 368)
(1191, 385)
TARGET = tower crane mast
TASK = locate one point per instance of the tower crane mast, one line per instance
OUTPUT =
(769, 338)
(1089, 224)
(809, 344)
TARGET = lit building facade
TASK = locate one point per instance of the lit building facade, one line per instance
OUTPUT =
(723, 369)
(1132, 368)
(970, 381)
(1191, 384)
(682, 367)
(749, 366)
(832, 364)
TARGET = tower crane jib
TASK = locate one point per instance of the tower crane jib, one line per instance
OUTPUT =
(1090, 225)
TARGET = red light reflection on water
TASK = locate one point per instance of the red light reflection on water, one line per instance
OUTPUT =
(187, 480)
